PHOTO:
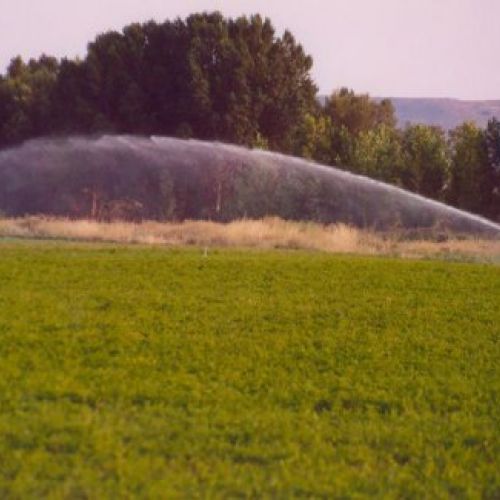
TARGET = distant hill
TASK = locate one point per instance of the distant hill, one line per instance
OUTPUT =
(445, 112)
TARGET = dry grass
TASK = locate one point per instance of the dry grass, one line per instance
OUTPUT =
(265, 233)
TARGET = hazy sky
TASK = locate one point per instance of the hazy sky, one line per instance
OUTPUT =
(417, 48)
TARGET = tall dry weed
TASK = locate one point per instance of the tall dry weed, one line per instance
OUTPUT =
(270, 232)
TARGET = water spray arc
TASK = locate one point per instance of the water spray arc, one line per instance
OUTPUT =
(137, 178)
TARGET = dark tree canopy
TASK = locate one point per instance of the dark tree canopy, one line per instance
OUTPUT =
(26, 96)
(207, 76)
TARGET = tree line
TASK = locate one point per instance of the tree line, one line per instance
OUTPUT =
(236, 80)
(460, 167)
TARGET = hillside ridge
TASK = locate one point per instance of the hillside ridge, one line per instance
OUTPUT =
(445, 112)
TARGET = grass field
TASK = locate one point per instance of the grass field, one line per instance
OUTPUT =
(132, 371)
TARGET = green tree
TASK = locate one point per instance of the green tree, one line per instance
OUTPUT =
(218, 80)
(342, 146)
(73, 107)
(207, 77)
(491, 183)
(314, 140)
(378, 154)
(358, 112)
(426, 161)
(289, 93)
(469, 165)
(26, 94)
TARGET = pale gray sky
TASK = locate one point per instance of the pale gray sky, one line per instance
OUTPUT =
(414, 48)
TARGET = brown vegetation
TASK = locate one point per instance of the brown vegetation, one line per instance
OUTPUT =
(265, 233)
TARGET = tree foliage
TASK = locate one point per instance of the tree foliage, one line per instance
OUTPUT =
(491, 178)
(26, 99)
(426, 160)
(358, 112)
(236, 80)
(206, 77)
(468, 165)
(378, 154)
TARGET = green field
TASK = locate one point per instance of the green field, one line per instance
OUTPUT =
(127, 371)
